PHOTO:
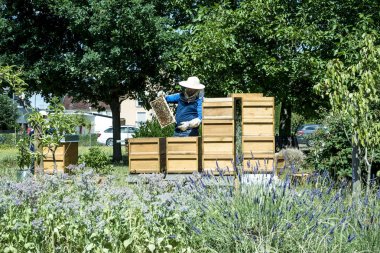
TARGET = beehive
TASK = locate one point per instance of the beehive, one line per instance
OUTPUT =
(65, 154)
(161, 109)
(218, 152)
(258, 141)
(218, 109)
(146, 155)
(218, 135)
(183, 154)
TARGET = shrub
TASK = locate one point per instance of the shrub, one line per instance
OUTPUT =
(97, 160)
(294, 158)
(152, 128)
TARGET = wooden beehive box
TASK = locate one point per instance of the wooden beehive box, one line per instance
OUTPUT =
(65, 154)
(146, 155)
(218, 152)
(183, 154)
(218, 128)
(161, 109)
(218, 109)
(258, 133)
(258, 117)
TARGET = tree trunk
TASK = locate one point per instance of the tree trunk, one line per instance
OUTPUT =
(356, 177)
(285, 118)
(115, 108)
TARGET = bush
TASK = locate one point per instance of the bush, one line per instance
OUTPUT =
(97, 160)
(152, 128)
(294, 158)
(331, 149)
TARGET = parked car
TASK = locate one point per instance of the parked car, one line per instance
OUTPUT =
(106, 136)
(304, 132)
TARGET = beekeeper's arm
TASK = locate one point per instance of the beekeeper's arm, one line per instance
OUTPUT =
(197, 121)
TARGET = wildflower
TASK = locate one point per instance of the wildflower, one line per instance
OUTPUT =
(351, 237)
(332, 230)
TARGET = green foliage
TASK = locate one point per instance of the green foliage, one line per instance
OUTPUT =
(352, 84)
(11, 77)
(8, 113)
(331, 149)
(152, 128)
(24, 155)
(96, 159)
(50, 131)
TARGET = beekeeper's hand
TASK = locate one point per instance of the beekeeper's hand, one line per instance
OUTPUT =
(161, 93)
(194, 123)
(184, 125)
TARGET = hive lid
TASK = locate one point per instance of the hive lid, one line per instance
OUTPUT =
(161, 109)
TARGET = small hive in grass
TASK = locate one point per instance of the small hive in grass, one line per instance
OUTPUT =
(161, 109)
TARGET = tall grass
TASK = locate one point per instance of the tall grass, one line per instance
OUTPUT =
(201, 213)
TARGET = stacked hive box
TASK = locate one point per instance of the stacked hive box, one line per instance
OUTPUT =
(146, 155)
(218, 134)
(65, 154)
(182, 154)
(258, 133)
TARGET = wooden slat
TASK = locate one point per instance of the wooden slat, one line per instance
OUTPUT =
(218, 128)
(245, 96)
(182, 163)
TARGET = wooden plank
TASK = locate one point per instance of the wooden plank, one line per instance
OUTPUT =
(71, 153)
(224, 99)
(145, 165)
(257, 112)
(183, 145)
(217, 128)
(218, 145)
(146, 145)
(258, 129)
(245, 95)
(218, 109)
(182, 163)
(258, 144)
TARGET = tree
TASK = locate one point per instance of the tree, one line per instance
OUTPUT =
(277, 47)
(10, 77)
(352, 84)
(8, 113)
(93, 50)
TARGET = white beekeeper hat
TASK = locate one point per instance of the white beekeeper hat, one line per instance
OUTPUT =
(193, 83)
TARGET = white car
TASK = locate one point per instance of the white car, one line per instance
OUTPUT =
(105, 137)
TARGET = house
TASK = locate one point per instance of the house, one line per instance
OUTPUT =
(131, 113)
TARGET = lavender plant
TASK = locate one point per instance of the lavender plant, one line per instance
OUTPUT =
(201, 213)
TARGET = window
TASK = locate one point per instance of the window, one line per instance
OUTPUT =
(124, 130)
(109, 130)
(140, 117)
(139, 103)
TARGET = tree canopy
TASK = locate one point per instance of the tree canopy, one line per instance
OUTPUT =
(96, 51)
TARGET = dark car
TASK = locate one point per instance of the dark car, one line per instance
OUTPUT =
(304, 132)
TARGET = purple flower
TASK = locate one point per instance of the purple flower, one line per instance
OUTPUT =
(351, 237)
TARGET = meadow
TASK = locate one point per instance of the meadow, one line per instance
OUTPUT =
(198, 213)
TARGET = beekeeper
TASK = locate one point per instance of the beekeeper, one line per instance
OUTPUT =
(189, 110)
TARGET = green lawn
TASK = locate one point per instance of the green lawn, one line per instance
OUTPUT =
(8, 162)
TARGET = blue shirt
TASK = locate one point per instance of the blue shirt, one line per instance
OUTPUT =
(186, 111)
